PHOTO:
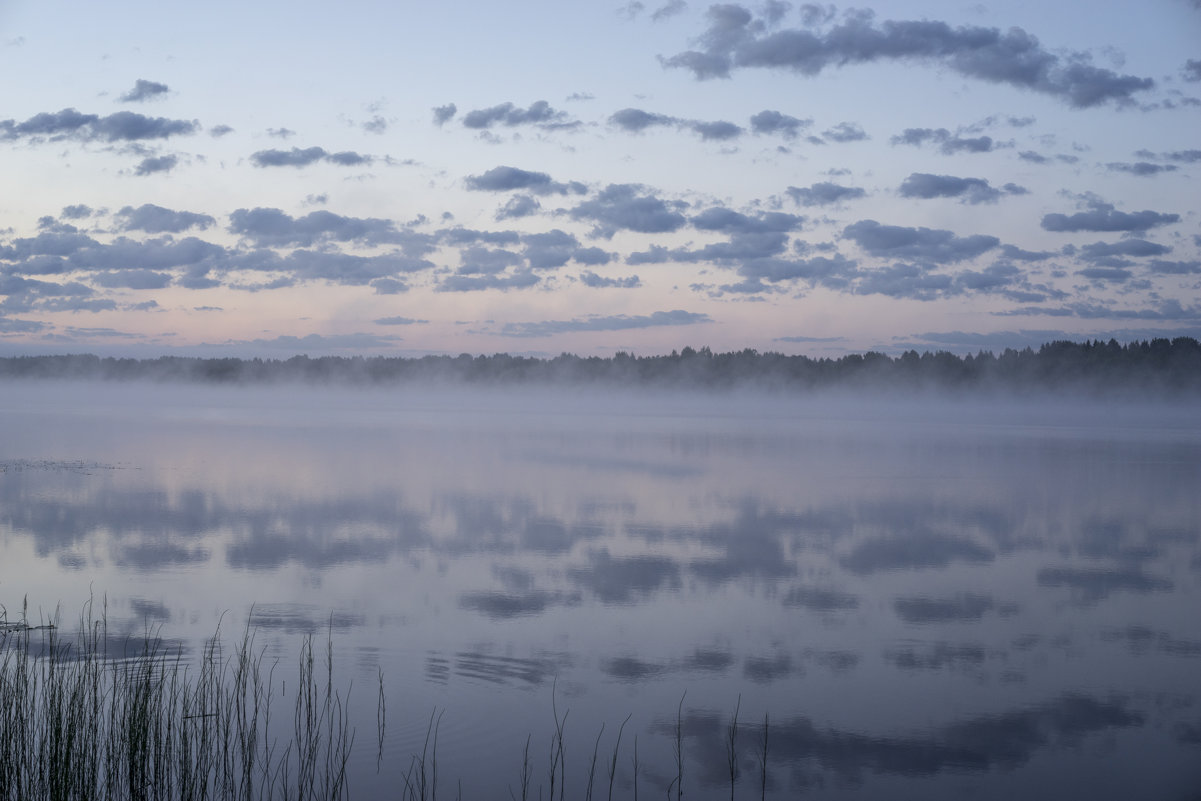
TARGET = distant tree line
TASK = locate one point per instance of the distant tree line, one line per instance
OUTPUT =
(1156, 366)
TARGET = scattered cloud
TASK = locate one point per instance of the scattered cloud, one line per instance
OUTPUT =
(1104, 217)
(630, 207)
(297, 157)
(774, 122)
(589, 278)
(1140, 168)
(153, 164)
(668, 10)
(824, 194)
(967, 190)
(158, 220)
(539, 113)
(736, 40)
(845, 132)
(122, 126)
(617, 322)
(921, 244)
(399, 321)
(144, 90)
(948, 143)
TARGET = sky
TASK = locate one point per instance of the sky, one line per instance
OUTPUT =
(269, 178)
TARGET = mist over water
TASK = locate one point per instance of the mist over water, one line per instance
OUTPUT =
(929, 598)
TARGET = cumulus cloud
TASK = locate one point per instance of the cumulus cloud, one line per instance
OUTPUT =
(1184, 156)
(967, 190)
(477, 283)
(271, 227)
(824, 194)
(668, 9)
(635, 120)
(144, 90)
(550, 250)
(159, 220)
(443, 114)
(1192, 70)
(589, 278)
(132, 279)
(736, 40)
(76, 212)
(719, 130)
(398, 321)
(921, 244)
(845, 132)
(948, 143)
(318, 342)
(485, 261)
(517, 207)
(303, 157)
(122, 126)
(718, 218)
(774, 122)
(152, 164)
(1138, 248)
(617, 322)
(1140, 168)
(835, 271)
(1103, 217)
(507, 179)
(630, 207)
(539, 113)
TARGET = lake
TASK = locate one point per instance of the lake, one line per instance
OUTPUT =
(925, 599)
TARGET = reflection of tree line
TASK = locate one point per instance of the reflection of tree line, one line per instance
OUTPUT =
(1156, 364)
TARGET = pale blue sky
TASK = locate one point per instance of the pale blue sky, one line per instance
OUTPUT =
(270, 178)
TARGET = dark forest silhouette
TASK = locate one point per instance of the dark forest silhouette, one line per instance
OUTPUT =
(1156, 366)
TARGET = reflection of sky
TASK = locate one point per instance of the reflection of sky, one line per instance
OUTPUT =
(908, 603)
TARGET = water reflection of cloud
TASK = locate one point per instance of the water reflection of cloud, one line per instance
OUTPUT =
(629, 668)
(147, 610)
(910, 550)
(975, 745)
(506, 605)
(623, 579)
(702, 660)
(590, 462)
(1187, 733)
(294, 618)
(766, 669)
(964, 608)
(148, 556)
(820, 599)
(1090, 585)
(939, 656)
(503, 669)
(1143, 640)
(752, 545)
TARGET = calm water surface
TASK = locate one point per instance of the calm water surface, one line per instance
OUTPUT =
(940, 601)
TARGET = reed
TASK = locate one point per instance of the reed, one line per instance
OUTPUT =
(107, 718)
(91, 718)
